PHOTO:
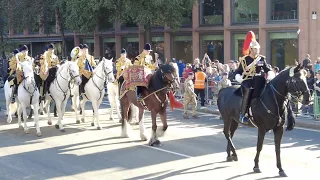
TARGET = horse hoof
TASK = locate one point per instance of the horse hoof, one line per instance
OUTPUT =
(78, 121)
(282, 174)
(62, 130)
(20, 127)
(143, 137)
(56, 126)
(26, 131)
(124, 135)
(39, 134)
(155, 143)
(82, 119)
(34, 125)
(99, 128)
(257, 170)
(29, 117)
(235, 158)
(111, 118)
(55, 115)
(229, 159)
(92, 124)
(41, 113)
(120, 121)
(49, 123)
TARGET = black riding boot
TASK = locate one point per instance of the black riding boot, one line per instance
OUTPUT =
(14, 92)
(247, 92)
(81, 87)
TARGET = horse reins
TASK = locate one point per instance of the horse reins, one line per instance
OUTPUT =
(72, 77)
(30, 93)
(104, 79)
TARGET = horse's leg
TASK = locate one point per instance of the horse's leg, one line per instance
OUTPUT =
(117, 106)
(48, 111)
(9, 118)
(227, 134)
(41, 106)
(261, 134)
(234, 127)
(75, 107)
(24, 112)
(36, 119)
(154, 139)
(125, 124)
(31, 112)
(162, 130)
(59, 112)
(82, 105)
(95, 107)
(112, 105)
(19, 115)
(142, 129)
(278, 133)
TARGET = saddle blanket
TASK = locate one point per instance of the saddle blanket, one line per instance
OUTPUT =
(135, 76)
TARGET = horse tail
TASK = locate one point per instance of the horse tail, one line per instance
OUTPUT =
(291, 121)
(130, 114)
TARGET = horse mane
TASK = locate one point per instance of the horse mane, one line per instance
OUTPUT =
(98, 66)
(156, 80)
(63, 66)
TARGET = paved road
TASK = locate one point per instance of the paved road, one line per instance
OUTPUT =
(191, 149)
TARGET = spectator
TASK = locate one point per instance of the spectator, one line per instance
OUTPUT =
(317, 84)
(187, 70)
(196, 65)
(199, 85)
(310, 82)
(317, 65)
(307, 62)
(206, 60)
(224, 82)
(181, 67)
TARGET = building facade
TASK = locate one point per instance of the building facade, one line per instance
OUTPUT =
(285, 29)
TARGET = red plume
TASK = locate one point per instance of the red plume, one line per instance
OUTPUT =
(246, 45)
(173, 102)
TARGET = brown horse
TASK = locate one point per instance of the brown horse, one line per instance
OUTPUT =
(154, 99)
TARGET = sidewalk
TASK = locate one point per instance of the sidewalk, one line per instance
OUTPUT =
(301, 120)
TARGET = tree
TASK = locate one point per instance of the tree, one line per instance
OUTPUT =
(157, 13)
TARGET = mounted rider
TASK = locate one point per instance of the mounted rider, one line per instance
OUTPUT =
(16, 71)
(86, 65)
(122, 63)
(250, 73)
(49, 67)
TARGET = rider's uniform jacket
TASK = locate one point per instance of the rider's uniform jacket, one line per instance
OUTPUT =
(21, 57)
(47, 61)
(82, 62)
(144, 60)
(255, 70)
(121, 64)
(12, 65)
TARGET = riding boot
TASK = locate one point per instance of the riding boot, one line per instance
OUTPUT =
(13, 94)
(81, 91)
(139, 92)
(247, 92)
(44, 90)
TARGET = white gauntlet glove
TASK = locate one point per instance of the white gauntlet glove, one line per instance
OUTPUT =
(239, 78)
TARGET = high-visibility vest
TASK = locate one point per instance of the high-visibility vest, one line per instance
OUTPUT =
(200, 78)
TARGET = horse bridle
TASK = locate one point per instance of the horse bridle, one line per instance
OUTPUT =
(34, 88)
(72, 77)
(106, 74)
(170, 82)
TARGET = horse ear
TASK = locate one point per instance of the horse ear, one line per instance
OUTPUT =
(111, 59)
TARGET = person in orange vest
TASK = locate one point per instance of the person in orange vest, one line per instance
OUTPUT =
(199, 83)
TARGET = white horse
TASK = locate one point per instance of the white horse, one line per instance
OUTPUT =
(95, 89)
(60, 90)
(113, 97)
(28, 95)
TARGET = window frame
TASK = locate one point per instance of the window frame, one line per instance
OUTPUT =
(201, 7)
(232, 13)
(270, 21)
(256, 32)
(201, 41)
(172, 42)
(268, 50)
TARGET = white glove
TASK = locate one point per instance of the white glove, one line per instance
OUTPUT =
(239, 78)
(271, 75)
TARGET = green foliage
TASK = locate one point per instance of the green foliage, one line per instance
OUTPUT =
(158, 13)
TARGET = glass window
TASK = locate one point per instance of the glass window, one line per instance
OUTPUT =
(131, 44)
(158, 47)
(213, 46)
(109, 48)
(187, 19)
(245, 11)
(90, 43)
(238, 40)
(182, 48)
(284, 48)
(211, 12)
(129, 24)
(283, 10)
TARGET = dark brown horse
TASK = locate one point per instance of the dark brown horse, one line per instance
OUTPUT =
(154, 99)
(269, 111)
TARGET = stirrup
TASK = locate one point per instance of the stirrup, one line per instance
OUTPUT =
(243, 119)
